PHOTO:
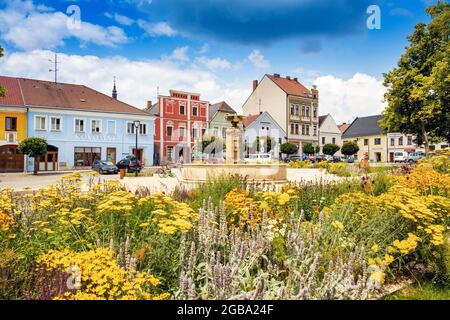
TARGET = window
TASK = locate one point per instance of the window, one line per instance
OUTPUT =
(130, 127)
(292, 109)
(10, 124)
(303, 111)
(307, 111)
(297, 109)
(315, 112)
(307, 129)
(377, 141)
(392, 142)
(296, 128)
(182, 109)
(224, 132)
(85, 156)
(170, 153)
(292, 128)
(55, 123)
(366, 142)
(143, 129)
(79, 125)
(111, 127)
(333, 140)
(303, 129)
(400, 141)
(96, 126)
(315, 131)
(195, 132)
(194, 111)
(410, 142)
(40, 123)
(181, 131)
(169, 130)
(323, 140)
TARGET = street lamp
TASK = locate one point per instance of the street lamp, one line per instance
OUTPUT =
(137, 125)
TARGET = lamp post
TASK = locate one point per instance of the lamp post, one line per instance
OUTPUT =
(137, 125)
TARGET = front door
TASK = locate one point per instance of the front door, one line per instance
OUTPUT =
(49, 162)
(111, 154)
(391, 157)
(139, 154)
(10, 159)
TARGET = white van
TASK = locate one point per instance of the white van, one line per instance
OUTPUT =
(400, 156)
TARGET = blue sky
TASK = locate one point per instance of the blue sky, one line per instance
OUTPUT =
(214, 47)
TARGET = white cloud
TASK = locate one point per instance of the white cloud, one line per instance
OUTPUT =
(361, 95)
(29, 27)
(204, 49)
(214, 63)
(123, 20)
(137, 80)
(180, 54)
(258, 59)
(157, 29)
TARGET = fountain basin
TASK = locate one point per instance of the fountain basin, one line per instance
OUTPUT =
(258, 172)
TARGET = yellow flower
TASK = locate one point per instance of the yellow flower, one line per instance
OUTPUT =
(12, 236)
(283, 198)
(375, 248)
(338, 225)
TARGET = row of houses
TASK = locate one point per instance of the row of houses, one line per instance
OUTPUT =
(82, 125)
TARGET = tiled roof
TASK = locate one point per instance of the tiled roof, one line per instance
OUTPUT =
(290, 86)
(343, 127)
(248, 120)
(364, 126)
(40, 93)
(221, 106)
(13, 96)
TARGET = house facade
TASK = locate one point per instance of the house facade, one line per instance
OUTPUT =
(181, 121)
(378, 146)
(218, 123)
(262, 134)
(293, 106)
(82, 125)
(329, 132)
(13, 126)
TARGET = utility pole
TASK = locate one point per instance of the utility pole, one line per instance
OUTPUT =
(55, 69)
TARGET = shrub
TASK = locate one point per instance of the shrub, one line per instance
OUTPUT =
(288, 148)
(340, 169)
(308, 148)
(330, 149)
(349, 148)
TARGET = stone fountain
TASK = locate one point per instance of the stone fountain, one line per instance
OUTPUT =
(273, 173)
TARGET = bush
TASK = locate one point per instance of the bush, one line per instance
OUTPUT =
(340, 169)
(349, 148)
(330, 149)
(308, 148)
(288, 148)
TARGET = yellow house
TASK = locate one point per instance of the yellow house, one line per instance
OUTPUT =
(13, 126)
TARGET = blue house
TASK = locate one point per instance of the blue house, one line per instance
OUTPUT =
(82, 125)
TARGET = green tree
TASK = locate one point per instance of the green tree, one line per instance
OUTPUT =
(2, 90)
(308, 148)
(330, 149)
(418, 92)
(35, 148)
(288, 148)
(349, 148)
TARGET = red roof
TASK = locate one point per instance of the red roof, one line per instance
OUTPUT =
(13, 96)
(290, 86)
(343, 127)
(248, 120)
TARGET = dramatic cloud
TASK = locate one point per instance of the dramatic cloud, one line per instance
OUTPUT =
(263, 21)
(361, 95)
(29, 27)
(258, 60)
(137, 80)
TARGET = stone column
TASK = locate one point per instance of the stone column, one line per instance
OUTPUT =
(234, 146)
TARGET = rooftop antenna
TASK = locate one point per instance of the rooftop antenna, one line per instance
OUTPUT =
(55, 70)
(259, 106)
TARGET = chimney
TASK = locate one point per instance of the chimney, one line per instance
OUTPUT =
(276, 75)
(149, 104)
(288, 77)
(255, 84)
(296, 79)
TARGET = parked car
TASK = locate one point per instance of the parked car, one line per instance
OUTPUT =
(259, 157)
(319, 158)
(293, 157)
(103, 166)
(328, 157)
(348, 159)
(130, 163)
(415, 156)
(337, 159)
(400, 156)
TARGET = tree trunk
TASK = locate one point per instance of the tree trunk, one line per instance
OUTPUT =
(425, 138)
(35, 171)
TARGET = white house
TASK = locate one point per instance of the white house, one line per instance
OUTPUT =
(263, 135)
(329, 132)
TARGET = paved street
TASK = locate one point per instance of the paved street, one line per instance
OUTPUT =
(20, 181)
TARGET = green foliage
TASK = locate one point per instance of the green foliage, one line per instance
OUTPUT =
(418, 92)
(308, 148)
(340, 169)
(288, 148)
(34, 147)
(349, 148)
(330, 149)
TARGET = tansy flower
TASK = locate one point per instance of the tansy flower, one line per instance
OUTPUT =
(338, 225)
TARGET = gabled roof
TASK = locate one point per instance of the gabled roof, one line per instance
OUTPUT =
(363, 126)
(290, 86)
(322, 119)
(248, 120)
(13, 95)
(342, 127)
(38, 93)
(220, 106)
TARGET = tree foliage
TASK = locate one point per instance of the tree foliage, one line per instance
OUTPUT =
(330, 149)
(349, 148)
(308, 148)
(418, 92)
(288, 148)
(33, 147)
